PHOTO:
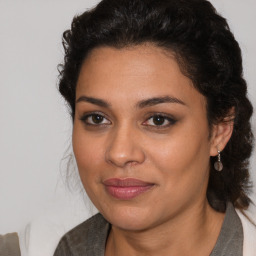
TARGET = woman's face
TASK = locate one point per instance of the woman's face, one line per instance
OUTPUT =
(141, 137)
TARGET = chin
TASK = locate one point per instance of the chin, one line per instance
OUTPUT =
(129, 218)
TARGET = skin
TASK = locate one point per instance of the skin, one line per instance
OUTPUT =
(127, 143)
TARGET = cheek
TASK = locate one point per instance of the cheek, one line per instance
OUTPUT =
(184, 156)
(88, 153)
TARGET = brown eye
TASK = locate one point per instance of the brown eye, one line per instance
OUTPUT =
(158, 120)
(95, 119)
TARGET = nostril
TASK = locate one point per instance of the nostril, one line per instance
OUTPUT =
(124, 155)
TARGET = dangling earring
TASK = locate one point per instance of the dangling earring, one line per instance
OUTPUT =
(218, 166)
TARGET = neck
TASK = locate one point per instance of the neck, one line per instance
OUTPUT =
(194, 232)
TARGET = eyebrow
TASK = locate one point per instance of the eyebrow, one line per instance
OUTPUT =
(94, 101)
(158, 100)
(141, 104)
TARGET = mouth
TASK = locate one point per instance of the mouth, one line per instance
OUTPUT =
(126, 189)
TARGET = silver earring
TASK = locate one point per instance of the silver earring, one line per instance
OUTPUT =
(218, 166)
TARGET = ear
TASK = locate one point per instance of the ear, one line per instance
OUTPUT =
(221, 133)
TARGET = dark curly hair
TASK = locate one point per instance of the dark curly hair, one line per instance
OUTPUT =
(207, 53)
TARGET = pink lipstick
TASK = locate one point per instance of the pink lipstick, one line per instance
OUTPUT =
(126, 189)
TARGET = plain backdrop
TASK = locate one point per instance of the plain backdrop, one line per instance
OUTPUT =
(35, 128)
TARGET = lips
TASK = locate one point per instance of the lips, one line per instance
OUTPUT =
(126, 189)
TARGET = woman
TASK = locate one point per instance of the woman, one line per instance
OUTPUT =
(161, 129)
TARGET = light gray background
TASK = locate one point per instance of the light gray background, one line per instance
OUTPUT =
(35, 128)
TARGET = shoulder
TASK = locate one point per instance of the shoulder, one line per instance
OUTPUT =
(230, 239)
(9, 244)
(249, 230)
(87, 236)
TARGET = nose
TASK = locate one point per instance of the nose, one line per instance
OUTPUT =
(124, 148)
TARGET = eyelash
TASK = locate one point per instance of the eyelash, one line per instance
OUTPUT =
(171, 121)
(166, 118)
(85, 118)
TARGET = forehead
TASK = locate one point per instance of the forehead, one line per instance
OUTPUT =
(136, 72)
